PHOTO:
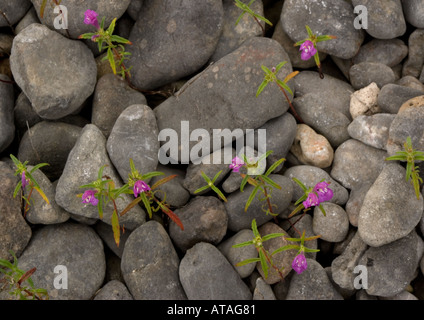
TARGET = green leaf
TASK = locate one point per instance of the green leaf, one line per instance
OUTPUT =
(17, 188)
(42, 194)
(111, 60)
(263, 263)
(279, 66)
(325, 38)
(251, 197)
(202, 189)
(216, 176)
(86, 35)
(6, 264)
(115, 227)
(408, 170)
(310, 250)
(272, 236)
(152, 174)
(265, 69)
(31, 178)
(119, 39)
(270, 182)
(287, 247)
(322, 209)
(397, 158)
(38, 166)
(285, 86)
(310, 33)
(255, 228)
(239, 18)
(317, 62)
(111, 27)
(146, 204)
(247, 261)
(300, 184)
(243, 182)
(43, 6)
(274, 166)
(219, 193)
(262, 18)
(299, 42)
(243, 244)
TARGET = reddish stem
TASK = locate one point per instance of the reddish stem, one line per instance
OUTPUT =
(298, 118)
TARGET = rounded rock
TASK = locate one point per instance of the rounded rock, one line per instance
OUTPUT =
(334, 226)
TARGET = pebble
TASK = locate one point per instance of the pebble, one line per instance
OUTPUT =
(389, 213)
(113, 290)
(12, 12)
(106, 233)
(414, 63)
(263, 291)
(365, 73)
(334, 226)
(37, 46)
(150, 264)
(364, 101)
(204, 220)
(29, 18)
(134, 8)
(413, 11)
(311, 148)
(393, 96)
(389, 52)
(206, 274)
(7, 126)
(356, 199)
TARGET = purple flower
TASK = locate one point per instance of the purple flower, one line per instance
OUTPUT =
(88, 197)
(139, 187)
(308, 50)
(323, 191)
(24, 180)
(90, 17)
(94, 37)
(311, 201)
(236, 164)
(299, 263)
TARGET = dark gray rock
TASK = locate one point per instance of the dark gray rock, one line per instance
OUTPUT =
(389, 52)
(372, 130)
(134, 136)
(74, 71)
(356, 163)
(29, 18)
(411, 82)
(41, 212)
(236, 255)
(12, 11)
(82, 167)
(233, 36)
(109, 9)
(204, 219)
(334, 226)
(134, 8)
(7, 126)
(343, 266)
(385, 18)
(356, 199)
(105, 232)
(388, 274)
(74, 246)
(263, 291)
(206, 275)
(113, 290)
(150, 264)
(389, 213)
(49, 142)
(14, 231)
(329, 17)
(238, 219)
(312, 284)
(25, 116)
(111, 97)
(392, 96)
(155, 58)
(213, 96)
(414, 12)
(310, 176)
(365, 73)
(414, 63)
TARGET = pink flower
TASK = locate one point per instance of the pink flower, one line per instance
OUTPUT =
(311, 201)
(24, 180)
(308, 50)
(323, 191)
(90, 17)
(299, 263)
(237, 163)
(139, 187)
(94, 37)
(88, 197)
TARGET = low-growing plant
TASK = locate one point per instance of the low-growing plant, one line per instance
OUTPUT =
(18, 282)
(246, 9)
(410, 155)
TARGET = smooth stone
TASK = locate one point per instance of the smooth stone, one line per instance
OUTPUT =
(7, 103)
(343, 266)
(74, 81)
(414, 63)
(155, 59)
(29, 18)
(385, 18)
(310, 176)
(408, 122)
(312, 284)
(389, 52)
(15, 233)
(236, 255)
(388, 274)
(110, 9)
(176, 195)
(263, 291)
(330, 17)
(113, 290)
(49, 142)
(213, 96)
(13, 12)
(39, 211)
(393, 96)
(354, 204)
(372, 130)
(150, 264)
(74, 246)
(334, 226)
(134, 136)
(82, 167)
(364, 101)
(389, 213)
(411, 82)
(134, 8)
(111, 97)
(206, 274)
(413, 11)
(365, 73)
(311, 148)
(233, 35)
(403, 295)
(282, 260)
(204, 219)
(239, 219)
(356, 163)
(105, 232)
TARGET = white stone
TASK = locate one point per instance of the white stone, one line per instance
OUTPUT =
(364, 101)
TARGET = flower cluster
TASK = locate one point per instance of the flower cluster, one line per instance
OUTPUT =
(320, 193)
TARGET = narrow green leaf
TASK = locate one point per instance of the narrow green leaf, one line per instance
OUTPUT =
(300, 184)
(239, 18)
(42, 8)
(205, 177)
(251, 197)
(310, 250)
(243, 182)
(216, 176)
(271, 182)
(163, 181)
(316, 58)
(247, 261)
(322, 209)
(255, 228)
(152, 174)
(285, 86)
(299, 43)
(325, 38)
(111, 27)
(408, 170)
(38, 166)
(119, 39)
(263, 263)
(42, 194)
(266, 69)
(397, 158)
(243, 244)
(146, 204)
(261, 88)
(262, 18)
(219, 193)
(274, 166)
(279, 66)
(287, 247)
(272, 236)
(202, 189)
(111, 60)
(17, 188)
(115, 227)
(310, 33)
